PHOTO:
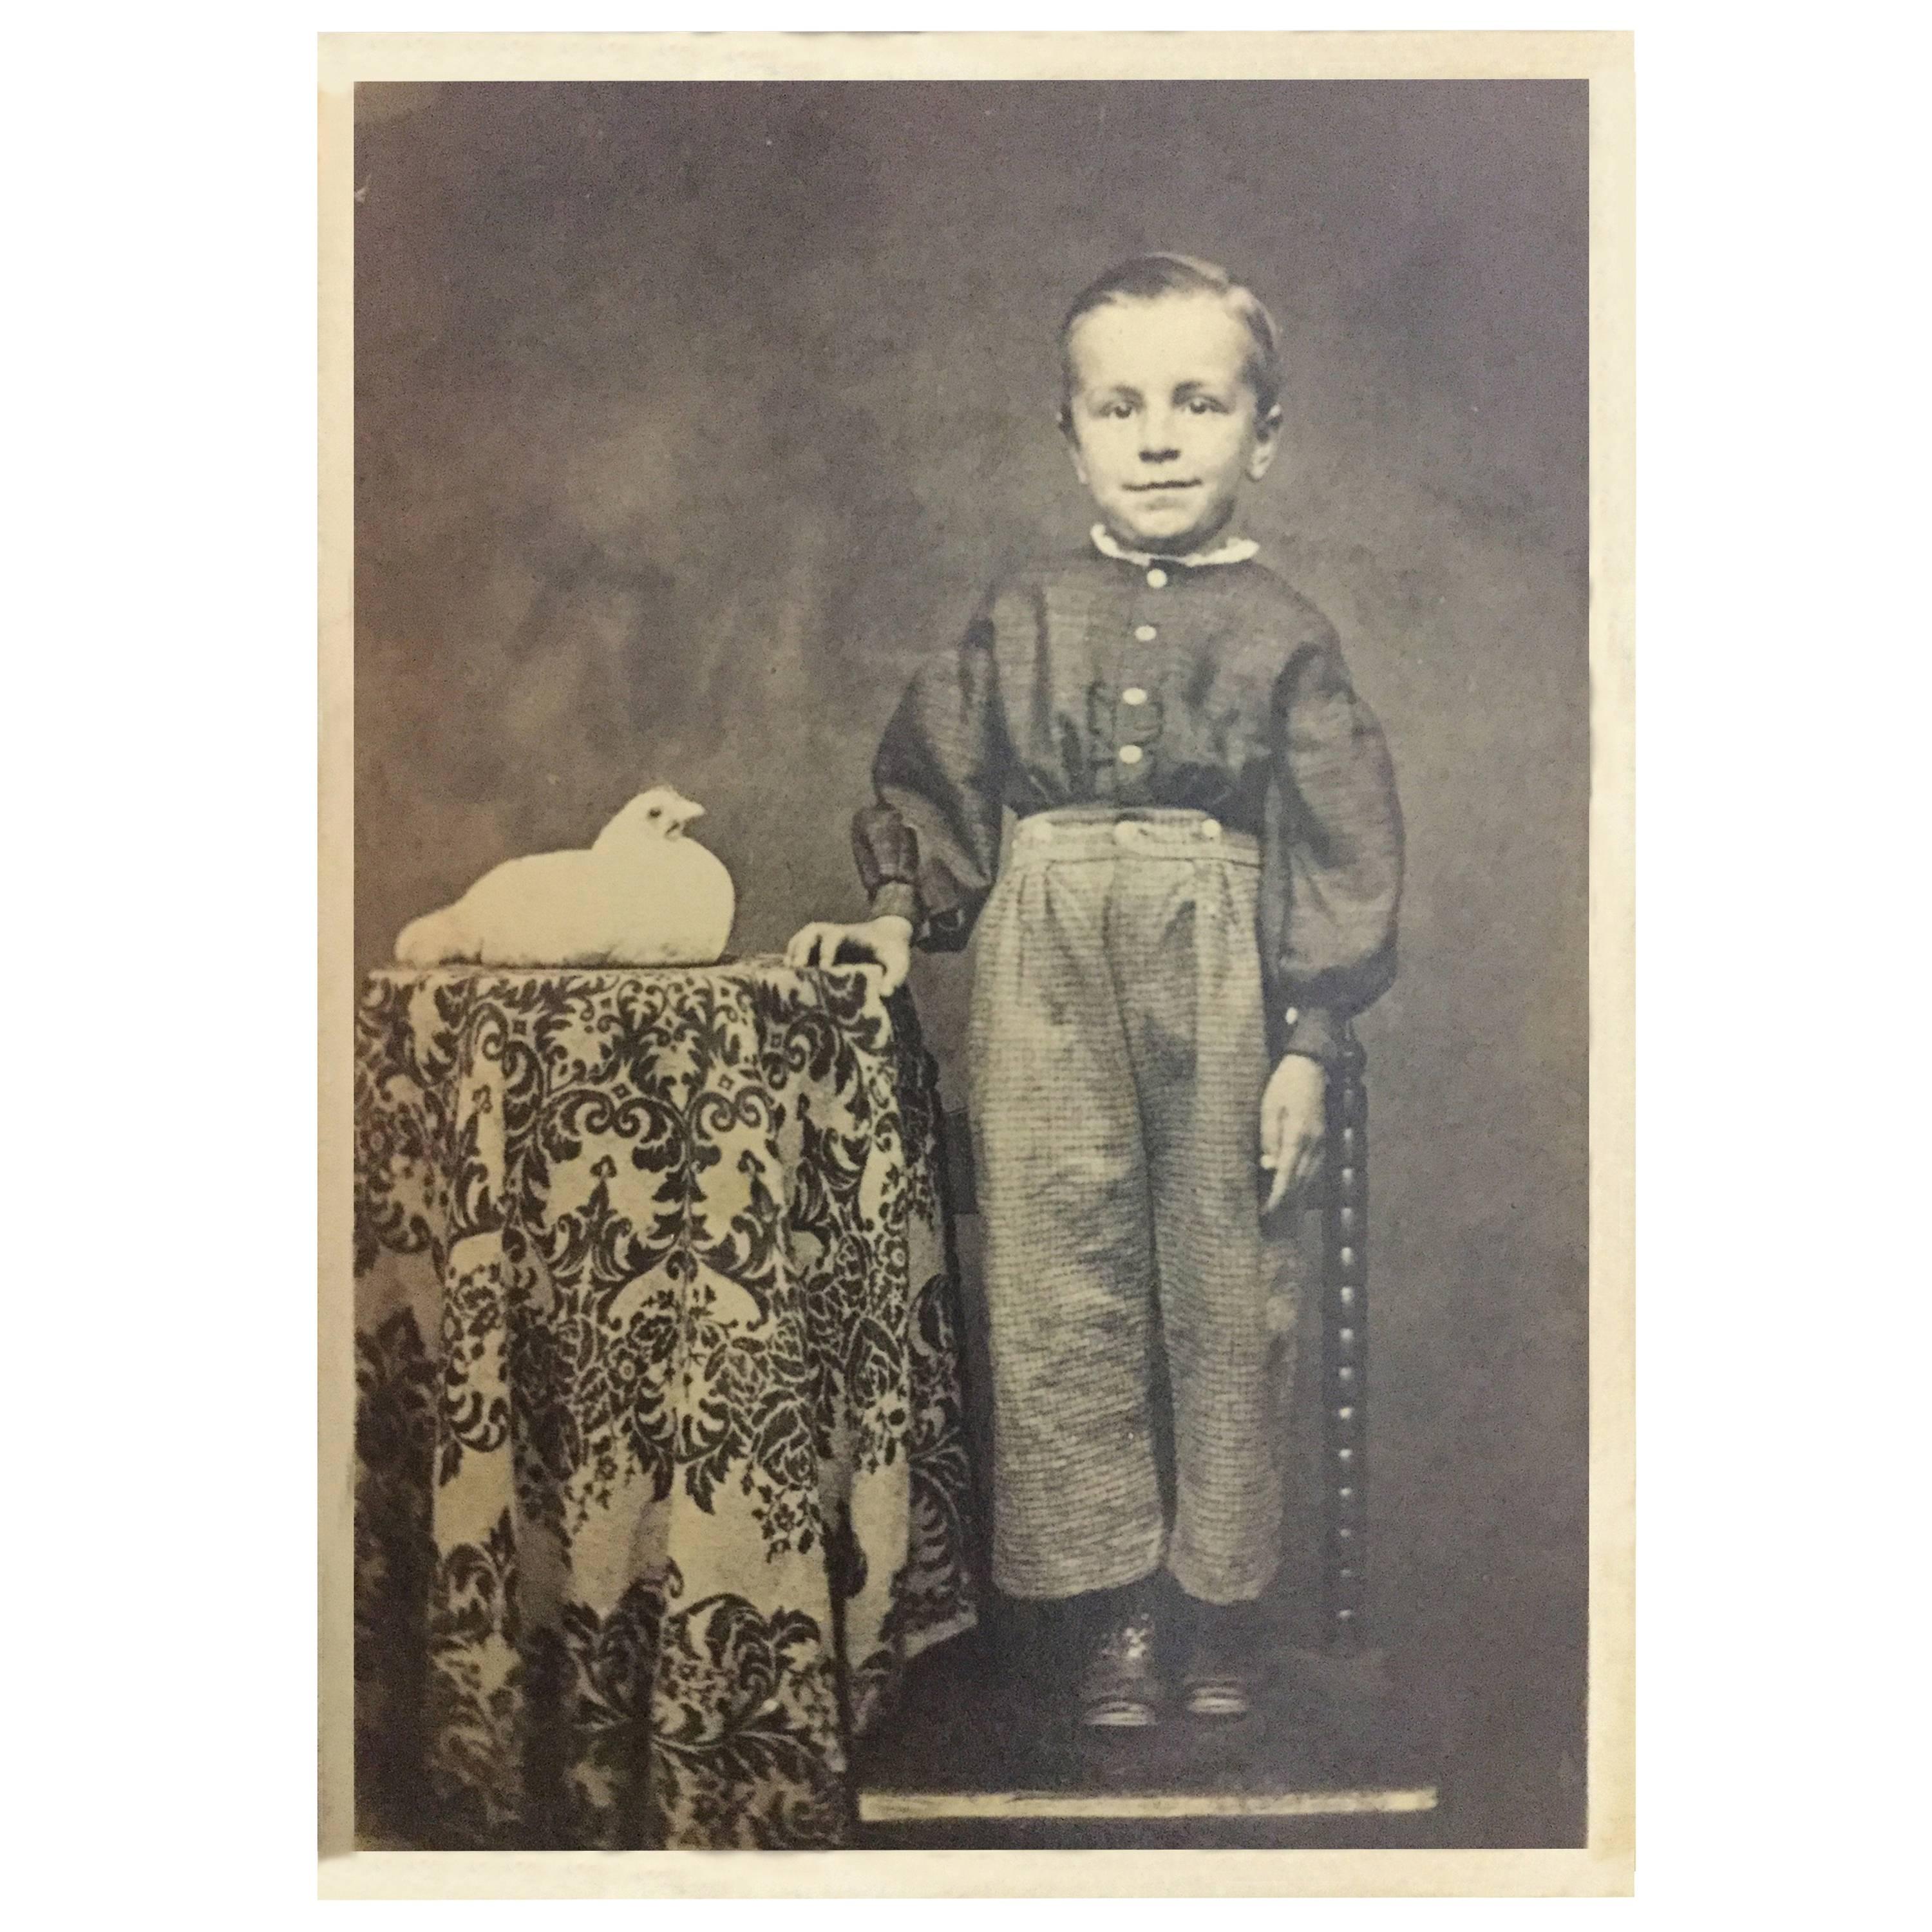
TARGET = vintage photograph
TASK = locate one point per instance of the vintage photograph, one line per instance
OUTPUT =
(972, 771)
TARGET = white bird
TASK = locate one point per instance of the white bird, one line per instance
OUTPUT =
(643, 895)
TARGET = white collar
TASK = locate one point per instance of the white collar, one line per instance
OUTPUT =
(1236, 550)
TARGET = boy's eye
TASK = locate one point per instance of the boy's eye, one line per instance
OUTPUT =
(1203, 405)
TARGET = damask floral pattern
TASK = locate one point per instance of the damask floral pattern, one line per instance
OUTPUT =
(661, 1470)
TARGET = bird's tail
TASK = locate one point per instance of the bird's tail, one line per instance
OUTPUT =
(429, 941)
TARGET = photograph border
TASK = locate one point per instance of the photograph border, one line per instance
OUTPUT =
(1603, 1866)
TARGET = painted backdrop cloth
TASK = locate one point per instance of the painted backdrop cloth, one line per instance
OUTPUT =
(662, 1474)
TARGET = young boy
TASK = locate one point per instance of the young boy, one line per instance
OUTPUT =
(1200, 890)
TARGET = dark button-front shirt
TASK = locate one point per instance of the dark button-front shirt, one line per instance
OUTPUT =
(1107, 679)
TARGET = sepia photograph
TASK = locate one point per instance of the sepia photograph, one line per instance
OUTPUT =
(969, 712)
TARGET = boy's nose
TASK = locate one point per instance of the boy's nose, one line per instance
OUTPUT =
(1158, 443)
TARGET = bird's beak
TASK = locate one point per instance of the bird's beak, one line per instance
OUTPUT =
(692, 812)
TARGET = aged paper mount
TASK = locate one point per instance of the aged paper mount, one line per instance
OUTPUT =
(1604, 1867)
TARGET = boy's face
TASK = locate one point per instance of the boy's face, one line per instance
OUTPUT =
(1164, 431)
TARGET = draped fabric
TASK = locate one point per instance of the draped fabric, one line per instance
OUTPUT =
(661, 1470)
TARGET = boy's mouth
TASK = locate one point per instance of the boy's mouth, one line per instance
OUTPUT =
(1143, 489)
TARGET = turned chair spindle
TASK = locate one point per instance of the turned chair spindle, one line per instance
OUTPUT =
(1344, 1358)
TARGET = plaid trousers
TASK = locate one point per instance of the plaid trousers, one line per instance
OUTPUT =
(1117, 1056)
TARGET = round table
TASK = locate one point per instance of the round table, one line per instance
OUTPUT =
(661, 1476)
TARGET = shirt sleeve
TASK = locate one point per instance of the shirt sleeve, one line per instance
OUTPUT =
(928, 849)
(1332, 859)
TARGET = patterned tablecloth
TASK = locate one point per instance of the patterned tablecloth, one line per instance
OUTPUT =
(660, 1472)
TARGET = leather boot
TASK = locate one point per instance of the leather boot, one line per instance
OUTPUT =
(1121, 1689)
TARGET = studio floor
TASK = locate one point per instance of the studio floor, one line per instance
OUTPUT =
(982, 1751)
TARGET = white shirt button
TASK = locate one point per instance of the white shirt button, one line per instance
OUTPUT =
(1210, 828)
(1133, 695)
(1157, 579)
(1146, 633)
(1130, 755)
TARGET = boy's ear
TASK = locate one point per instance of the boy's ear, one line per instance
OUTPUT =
(1268, 440)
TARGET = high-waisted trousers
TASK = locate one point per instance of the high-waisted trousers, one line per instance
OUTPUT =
(1117, 1056)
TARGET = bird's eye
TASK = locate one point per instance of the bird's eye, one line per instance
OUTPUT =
(655, 811)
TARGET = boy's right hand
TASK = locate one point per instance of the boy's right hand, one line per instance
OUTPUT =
(887, 942)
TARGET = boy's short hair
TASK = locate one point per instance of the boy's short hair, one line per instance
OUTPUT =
(1147, 278)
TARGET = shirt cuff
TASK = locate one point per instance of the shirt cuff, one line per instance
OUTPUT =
(1316, 1032)
(895, 899)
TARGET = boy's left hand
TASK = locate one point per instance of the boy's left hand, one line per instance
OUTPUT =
(1292, 1125)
